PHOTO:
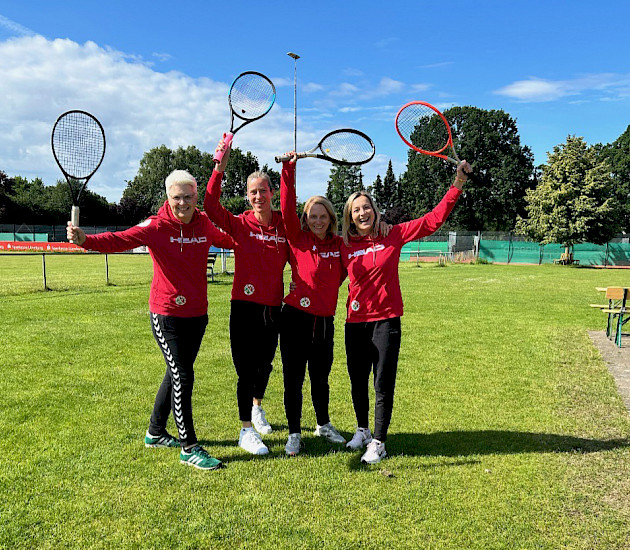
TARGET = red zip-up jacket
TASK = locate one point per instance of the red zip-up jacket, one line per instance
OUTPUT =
(180, 253)
(372, 264)
(315, 263)
(260, 251)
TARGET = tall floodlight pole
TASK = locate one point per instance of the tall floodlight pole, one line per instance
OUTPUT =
(295, 58)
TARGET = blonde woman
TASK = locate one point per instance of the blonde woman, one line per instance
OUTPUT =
(375, 306)
(307, 321)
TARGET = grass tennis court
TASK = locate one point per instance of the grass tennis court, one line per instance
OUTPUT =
(507, 429)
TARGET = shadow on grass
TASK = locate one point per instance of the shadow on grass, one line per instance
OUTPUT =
(458, 445)
(486, 442)
(483, 442)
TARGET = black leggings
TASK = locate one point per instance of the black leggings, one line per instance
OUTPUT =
(305, 338)
(179, 339)
(254, 332)
(374, 345)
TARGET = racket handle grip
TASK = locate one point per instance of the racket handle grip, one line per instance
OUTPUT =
(74, 216)
(227, 140)
(283, 158)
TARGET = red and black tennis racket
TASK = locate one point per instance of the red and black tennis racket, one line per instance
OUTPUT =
(345, 146)
(78, 145)
(251, 97)
(425, 129)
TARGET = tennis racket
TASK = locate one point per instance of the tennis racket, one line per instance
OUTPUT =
(345, 146)
(78, 145)
(425, 129)
(251, 97)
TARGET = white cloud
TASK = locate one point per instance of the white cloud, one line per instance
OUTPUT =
(345, 89)
(436, 65)
(535, 89)
(138, 107)
(15, 28)
(387, 86)
(141, 108)
(604, 86)
(162, 56)
(311, 87)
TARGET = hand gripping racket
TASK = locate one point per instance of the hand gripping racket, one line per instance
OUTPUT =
(425, 129)
(251, 97)
(345, 146)
(78, 145)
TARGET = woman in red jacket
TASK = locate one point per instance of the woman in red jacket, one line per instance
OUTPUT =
(178, 239)
(261, 252)
(375, 306)
(307, 326)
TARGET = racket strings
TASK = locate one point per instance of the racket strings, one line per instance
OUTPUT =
(423, 127)
(251, 96)
(347, 147)
(79, 144)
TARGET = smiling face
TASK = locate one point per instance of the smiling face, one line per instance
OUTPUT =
(259, 196)
(318, 220)
(363, 215)
(182, 199)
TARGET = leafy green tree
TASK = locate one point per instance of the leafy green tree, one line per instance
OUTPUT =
(36, 203)
(391, 195)
(7, 207)
(618, 155)
(376, 189)
(342, 182)
(490, 141)
(575, 200)
(239, 167)
(145, 193)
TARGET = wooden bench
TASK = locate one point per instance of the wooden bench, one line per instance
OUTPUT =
(212, 257)
(566, 259)
(615, 310)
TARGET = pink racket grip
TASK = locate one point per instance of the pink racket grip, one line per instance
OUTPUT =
(227, 140)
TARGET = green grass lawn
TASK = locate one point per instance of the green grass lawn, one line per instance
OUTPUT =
(507, 429)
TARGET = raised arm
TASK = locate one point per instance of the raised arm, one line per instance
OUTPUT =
(432, 221)
(288, 199)
(211, 201)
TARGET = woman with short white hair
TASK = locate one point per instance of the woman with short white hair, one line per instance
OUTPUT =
(178, 238)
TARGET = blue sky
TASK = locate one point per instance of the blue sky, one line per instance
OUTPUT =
(158, 73)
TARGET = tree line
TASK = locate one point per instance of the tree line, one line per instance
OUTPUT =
(580, 194)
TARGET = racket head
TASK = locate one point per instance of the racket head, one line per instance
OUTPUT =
(347, 146)
(251, 96)
(78, 144)
(424, 128)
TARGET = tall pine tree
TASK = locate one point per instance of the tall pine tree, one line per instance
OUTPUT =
(342, 182)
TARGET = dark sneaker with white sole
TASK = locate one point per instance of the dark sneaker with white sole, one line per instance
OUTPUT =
(164, 440)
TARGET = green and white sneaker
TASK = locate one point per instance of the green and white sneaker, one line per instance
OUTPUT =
(164, 440)
(199, 458)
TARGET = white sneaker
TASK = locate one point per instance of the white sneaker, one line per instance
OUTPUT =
(260, 421)
(330, 433)
(360, 439)
(294, 444)
(375, 452)
(251, 442)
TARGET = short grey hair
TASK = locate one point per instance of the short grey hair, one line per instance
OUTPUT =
(181, 177)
